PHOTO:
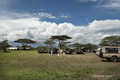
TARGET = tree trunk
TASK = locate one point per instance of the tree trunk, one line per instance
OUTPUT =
(24, 48)
(4, 49)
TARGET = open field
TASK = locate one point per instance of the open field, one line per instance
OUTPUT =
(29, 65)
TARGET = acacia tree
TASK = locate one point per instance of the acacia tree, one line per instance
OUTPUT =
(49, 43)
(25, 42)
(77, 45)
(60, 39)
(87, 46)
(65, 44)
(4, 44)
(110, 41)
(90, 46)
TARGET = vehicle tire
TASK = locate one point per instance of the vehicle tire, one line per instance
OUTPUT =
(114, 59)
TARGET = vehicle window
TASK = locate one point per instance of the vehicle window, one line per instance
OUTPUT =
(111, 50)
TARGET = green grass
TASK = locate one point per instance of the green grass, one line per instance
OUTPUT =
(29, 65)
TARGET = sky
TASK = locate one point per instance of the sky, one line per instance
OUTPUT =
(86, 21)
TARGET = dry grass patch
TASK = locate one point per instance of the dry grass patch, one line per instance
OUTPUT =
(29, 65)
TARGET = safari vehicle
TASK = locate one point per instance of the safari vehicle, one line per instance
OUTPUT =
(68, 50)
(78, 51)
(111, 53)
(42, 49)
(55, 50)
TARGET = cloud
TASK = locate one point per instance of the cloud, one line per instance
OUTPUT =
(87, 0)
(111, 4)
(39, 9)
(108, 4)
(64, 15)
(10, 15)
(5, 3)
(30, 35)
(31, 27)
(6, 15)
(43, 14)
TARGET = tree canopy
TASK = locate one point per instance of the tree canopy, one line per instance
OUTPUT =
(24, 42)
(4, 44)
(60, 39)
(110, 41)
(77, 45)
(87, 46)
(49, 43)
(91, 46)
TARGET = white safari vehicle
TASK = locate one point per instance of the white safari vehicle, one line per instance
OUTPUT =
(111, 53)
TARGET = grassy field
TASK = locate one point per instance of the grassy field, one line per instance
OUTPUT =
(29, 65)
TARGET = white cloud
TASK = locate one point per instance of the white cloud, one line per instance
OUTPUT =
(33, 28)
(111, 4)
(6, 15)
(88, 0)
(5, 3)
(64, 15)
(48, 15)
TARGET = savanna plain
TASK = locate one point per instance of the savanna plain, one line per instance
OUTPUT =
(30, 65)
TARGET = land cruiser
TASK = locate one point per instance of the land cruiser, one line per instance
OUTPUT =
(111, 53)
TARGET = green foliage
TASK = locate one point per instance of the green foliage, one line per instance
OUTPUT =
(42, 49)
(24, 42)
(89, 46)
(66, 43)
(49, 43)
(60, 39)
(77, 45)
(110, 41)
(4, 44)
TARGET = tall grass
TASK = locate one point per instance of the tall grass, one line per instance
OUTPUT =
(29, 65)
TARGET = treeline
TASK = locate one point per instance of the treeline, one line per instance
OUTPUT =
(62, 42)
(4, 44)
(90, 47)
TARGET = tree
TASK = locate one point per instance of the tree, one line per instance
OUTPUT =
(77, 45)
(60, 39)
(25, 42)
(65, 44)
(49, 43)
(90, 46)
(87, 46)
(110, 41)
(4, 44)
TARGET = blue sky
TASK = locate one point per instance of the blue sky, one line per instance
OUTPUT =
(77, 12)
(86, 21)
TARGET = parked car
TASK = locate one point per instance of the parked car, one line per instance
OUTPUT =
(78, 51)
(68, 50)
(42, 49)
(111, 53)
(55, 50)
